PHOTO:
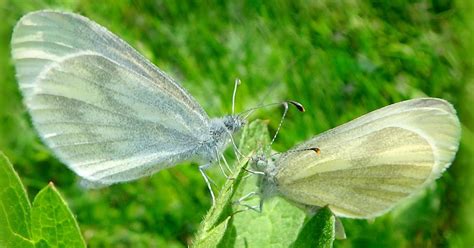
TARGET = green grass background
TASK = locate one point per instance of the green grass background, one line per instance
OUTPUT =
(340, 59)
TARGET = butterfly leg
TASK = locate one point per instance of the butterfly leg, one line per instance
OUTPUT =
(237, 152)
(208, 180)
(219, 158)
(244, 198)
(226, 164)
(222, 168)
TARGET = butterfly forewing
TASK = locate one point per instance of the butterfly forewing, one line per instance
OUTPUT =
(106, 121)
(45, 37)
(370, 164)
(368, 177)
(105, 110)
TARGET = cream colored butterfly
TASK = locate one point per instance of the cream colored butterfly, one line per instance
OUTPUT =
(106, 111)
(367, 166)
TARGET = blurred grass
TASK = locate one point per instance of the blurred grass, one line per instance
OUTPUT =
(340, 59)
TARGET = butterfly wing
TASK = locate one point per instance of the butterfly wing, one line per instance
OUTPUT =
(105, 111)
(44, 37)
(370, 164)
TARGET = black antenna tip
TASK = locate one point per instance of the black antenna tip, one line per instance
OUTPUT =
(298, 105)
(316, 150)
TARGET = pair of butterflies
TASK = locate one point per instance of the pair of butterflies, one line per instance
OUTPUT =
(112, 116)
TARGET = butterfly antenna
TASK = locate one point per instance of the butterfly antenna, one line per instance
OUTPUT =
(249, 111)
(298, 105)
(314, 149)
(236, 84)
(285, 105)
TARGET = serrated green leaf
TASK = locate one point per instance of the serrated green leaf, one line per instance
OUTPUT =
(318, 231)
(279, 222)
(276, 226)
(53, 222)
(14, 208)
(223, 207)
(214, 236)
(220, 212)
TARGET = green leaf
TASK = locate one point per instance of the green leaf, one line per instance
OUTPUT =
(280, 224)
(213, 236)
(211, 227)
(53, 222)
(49, 223)
(14, 208)
(276, 226)
(318, 230)
(215, 224)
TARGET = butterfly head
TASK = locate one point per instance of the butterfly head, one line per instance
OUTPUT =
(265, 168)
(259, 163)
(233, 123)
(221, 134)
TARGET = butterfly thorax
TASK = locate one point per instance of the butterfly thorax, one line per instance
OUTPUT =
(267, 181)
(220, 131)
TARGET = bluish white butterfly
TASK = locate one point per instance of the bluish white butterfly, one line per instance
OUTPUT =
(106, 111)
(367, 166)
